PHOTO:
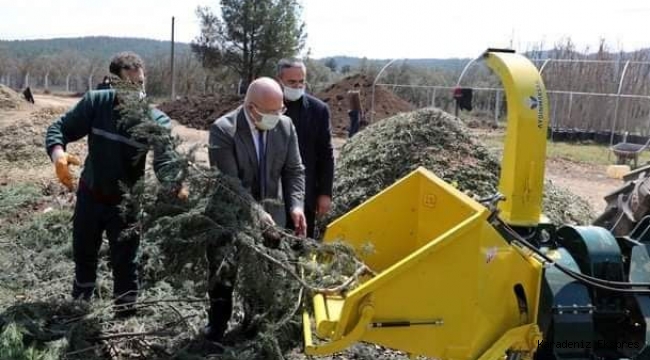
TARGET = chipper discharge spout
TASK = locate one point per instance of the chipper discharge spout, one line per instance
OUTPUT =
(456, 278)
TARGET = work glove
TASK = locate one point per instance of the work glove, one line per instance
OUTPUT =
(62, 161)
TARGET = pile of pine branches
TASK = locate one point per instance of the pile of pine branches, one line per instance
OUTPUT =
(276, 271)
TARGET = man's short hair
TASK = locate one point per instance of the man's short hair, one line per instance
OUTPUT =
(288, 63)
(126, 60)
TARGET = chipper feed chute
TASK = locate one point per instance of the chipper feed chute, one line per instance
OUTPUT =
(444, 284)
(448, 284)
(459, 280)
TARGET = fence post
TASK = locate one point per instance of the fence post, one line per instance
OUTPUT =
(554, 117)
(618, 96)
(648, 130)
(173, 80)
(497, 107)
(374, 83)
(433, 98)
(570, 105)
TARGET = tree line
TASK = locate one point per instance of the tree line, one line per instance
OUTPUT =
(243, 39)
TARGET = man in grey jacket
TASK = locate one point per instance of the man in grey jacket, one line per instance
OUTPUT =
(257, 144)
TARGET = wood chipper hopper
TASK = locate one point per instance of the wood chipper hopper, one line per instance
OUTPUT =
(455, 278)
(448, 283)
(444, 284)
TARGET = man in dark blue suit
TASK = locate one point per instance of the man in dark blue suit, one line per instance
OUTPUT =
(311, 118)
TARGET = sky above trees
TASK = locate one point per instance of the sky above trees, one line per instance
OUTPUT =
(372, 28)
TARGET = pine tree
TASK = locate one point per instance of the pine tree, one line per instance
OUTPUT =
(249, 36)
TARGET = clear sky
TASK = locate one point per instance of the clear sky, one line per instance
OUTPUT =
(372, 28)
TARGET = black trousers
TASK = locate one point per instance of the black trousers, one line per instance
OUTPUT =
(222, 274)
(354, 122)
(91, 220)
(310, 217)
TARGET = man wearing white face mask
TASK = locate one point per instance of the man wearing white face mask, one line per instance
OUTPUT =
(311, 117)
(257, 144)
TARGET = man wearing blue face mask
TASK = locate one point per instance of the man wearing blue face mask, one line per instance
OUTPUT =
(257, 144)
(311, 117)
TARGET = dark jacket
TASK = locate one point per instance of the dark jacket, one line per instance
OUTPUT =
(314, 128)
(232, 151)
(114, 156)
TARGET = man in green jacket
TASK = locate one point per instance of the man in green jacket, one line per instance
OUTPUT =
(115, 157)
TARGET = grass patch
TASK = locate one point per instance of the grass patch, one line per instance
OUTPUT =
(16, 197)
(14, 346)
(37, 250)
(582, 153)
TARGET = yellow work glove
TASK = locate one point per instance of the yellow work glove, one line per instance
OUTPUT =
(62, 160)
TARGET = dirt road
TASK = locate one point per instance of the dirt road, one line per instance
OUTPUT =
(585, 180)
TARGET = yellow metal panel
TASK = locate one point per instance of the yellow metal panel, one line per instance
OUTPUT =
(468, 281)
(391, 214)
(439, 208)
(458, 272)
(403, 217)
(524, 154)
(446, 279)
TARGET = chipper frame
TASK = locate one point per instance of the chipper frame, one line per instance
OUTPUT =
(458, 278)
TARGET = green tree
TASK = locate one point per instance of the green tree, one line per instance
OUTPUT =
(331, 63)
(249, 36)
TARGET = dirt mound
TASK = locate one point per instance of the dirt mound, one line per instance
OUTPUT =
(24, 139)
(10, 99)
(386, 151)
(200, 111)
(386, 103)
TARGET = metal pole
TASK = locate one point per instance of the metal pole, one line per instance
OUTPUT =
(433, 98)
(570, 106)
(464, 71)
(172, 66)
(372, 102)
(541, 70)
(497, 105)
(554, 118)
(648, 130)
(620, 87)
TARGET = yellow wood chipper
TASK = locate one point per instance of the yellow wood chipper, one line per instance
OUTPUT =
(459, 278)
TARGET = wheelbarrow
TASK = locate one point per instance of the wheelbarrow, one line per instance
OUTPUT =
(447, 284)
(628, 152)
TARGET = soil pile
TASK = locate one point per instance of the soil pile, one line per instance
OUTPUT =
(24, 139)
(336, 96)
(10, 99)
(200, 111)
(386, 151)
